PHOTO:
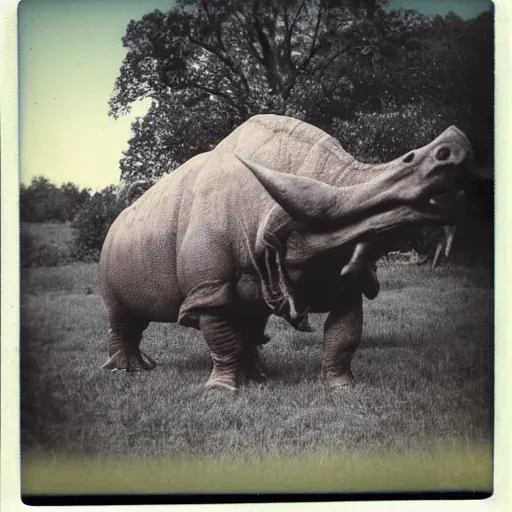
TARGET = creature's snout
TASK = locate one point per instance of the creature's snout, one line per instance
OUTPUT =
(451, 148)
(421, 179)
(431, 178)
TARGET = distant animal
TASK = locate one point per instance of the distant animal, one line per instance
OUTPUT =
(266, 223)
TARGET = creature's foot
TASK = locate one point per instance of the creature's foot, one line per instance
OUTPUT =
(254, 371)
(340, 381)
(132, 361)
(252, 367)
(222, 380)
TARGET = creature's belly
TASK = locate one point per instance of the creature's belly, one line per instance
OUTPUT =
(152, 301)
(314, 289)
(319, 287)
(248, 289)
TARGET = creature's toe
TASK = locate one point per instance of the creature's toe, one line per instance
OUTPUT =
(148, 362)
(220, 384)
(222, 379)
(129, 362)
(256, 375)
(341, 381)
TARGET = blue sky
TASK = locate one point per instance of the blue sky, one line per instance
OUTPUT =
(70, 55)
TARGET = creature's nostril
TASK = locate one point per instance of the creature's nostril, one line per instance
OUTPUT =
(409, 158)
(443, 153)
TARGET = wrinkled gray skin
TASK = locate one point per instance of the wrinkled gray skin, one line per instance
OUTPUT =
(266, 223)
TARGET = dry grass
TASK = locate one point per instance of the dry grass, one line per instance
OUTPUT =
(424, 386)
(46, 244)
(50, 233)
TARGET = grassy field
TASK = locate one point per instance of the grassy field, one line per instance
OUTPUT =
(419, 416)
(48, 233)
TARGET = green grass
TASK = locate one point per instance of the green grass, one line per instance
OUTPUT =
(420, 413)
(462, 469)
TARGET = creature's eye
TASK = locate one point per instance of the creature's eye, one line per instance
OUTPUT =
(443, 153)
(409, 158)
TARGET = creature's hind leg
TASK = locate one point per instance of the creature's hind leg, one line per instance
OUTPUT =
(123, 350)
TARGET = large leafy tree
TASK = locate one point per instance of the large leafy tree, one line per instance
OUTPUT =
(208, 65)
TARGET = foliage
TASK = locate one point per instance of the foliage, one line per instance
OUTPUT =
(43, 201)
(46, 244)
(34, 254)
(93, 222)
(95, 218)
(208, 65)
(383, 136)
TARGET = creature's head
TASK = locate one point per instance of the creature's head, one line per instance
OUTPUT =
(424, 185)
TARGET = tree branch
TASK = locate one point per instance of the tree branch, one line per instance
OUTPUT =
(213, 92)
(338, 54)
(313, 49)
(297, 14)
(226, 61)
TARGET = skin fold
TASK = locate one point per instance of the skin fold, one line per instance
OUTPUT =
(277, 219)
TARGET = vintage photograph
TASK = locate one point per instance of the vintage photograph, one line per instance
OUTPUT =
(256, 247)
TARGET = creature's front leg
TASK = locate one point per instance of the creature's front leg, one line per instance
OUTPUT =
(234, 340)
(342, 335)
(225, 343)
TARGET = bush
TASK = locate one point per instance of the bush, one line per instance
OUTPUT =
(33, 254)
(384, 136)
(93, 221)
(43, 201)
(95, 217)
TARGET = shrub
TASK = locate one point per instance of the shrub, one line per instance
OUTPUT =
(383, 136)
(93, 221)
(43, 201)
(33, 254)
(38, 202)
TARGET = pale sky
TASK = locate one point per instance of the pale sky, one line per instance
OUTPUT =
(69, 56)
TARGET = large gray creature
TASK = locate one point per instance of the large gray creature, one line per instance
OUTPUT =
(266, 223)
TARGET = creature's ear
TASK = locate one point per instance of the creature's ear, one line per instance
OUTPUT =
(304, 199)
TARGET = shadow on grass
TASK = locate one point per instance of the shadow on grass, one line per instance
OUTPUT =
(43, 407)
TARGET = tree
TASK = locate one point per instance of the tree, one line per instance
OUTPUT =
(71, 200)
(43, 201)
(208, 65)
(39, 201)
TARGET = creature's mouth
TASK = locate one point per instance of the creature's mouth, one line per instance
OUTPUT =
(443, 204)
(445, 198)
